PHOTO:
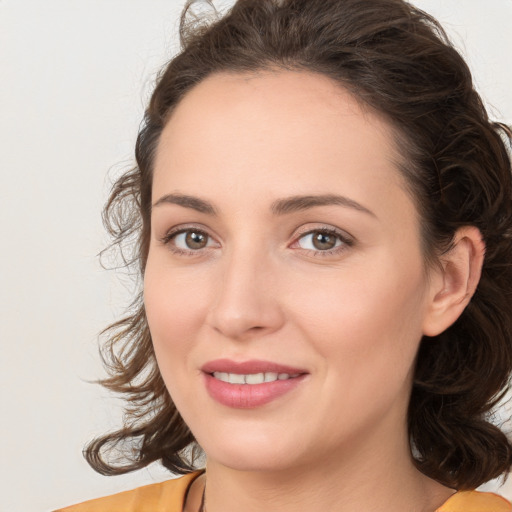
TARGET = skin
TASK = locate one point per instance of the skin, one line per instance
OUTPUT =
(260, 289)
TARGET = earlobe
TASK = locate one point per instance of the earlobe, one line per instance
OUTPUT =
(455, 281)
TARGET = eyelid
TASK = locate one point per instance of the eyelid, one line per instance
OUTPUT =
(180, 228)
(173, 232)
(344, 236)
(346, 239)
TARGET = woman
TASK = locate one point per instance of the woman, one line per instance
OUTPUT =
(323, 219)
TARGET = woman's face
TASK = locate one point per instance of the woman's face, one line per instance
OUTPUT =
(285, 287)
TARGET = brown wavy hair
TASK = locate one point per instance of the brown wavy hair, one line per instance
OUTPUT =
(398, 61)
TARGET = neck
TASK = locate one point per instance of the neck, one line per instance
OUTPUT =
(362, 478)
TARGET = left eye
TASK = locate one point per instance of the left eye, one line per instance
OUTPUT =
(319, 241)
(191, 240)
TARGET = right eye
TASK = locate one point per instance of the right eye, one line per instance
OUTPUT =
(191, 240)
(188, 241)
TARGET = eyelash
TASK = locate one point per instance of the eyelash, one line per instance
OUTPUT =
(166, 240)
(346, 242)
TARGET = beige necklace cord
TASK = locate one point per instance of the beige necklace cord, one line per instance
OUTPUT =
(202, 506)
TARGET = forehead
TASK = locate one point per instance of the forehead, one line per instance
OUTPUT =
(295, 132)
(304, 103)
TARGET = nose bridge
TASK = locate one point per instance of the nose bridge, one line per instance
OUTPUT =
(246, 301)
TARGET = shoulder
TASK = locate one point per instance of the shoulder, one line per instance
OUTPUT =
(475, 501)
(148, 498)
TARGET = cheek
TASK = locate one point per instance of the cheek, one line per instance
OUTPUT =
(176, 306)
(367, 314)
(366, 327)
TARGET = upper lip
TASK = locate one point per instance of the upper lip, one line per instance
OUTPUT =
(249, 367)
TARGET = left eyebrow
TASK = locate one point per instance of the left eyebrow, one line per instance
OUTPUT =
(298, 203)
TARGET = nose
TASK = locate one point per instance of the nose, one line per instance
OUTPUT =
(246, 302)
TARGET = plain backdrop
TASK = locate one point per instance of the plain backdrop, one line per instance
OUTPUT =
(74, 78)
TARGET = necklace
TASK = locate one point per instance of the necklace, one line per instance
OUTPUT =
(202, 507)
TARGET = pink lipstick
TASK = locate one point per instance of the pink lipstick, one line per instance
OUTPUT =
(249, 384)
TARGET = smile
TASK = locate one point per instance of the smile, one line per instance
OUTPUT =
(252, 378)
(250, 384)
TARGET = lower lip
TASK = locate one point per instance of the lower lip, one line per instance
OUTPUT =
(248, 396)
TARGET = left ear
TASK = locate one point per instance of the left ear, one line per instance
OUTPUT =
(453, 284)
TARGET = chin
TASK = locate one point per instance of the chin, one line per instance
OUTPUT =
(253, 463)
(242, 453)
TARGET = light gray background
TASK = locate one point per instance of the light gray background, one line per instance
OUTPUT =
(74, 78)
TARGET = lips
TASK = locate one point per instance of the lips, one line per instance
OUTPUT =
(248, 367)
(249, 384)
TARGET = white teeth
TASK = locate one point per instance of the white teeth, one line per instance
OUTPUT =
(255, 378)
(224, 377)
(270, 377)
(252, 378)
(234, 378)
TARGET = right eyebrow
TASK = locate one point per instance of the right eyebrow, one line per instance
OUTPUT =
(186, 201)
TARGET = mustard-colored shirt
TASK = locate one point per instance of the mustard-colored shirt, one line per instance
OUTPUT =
(170, 496)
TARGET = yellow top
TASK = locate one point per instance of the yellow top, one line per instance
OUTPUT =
(170, 496)
(475, 501)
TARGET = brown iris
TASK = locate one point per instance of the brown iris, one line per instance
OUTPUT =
(196, 240)
(323, 241)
